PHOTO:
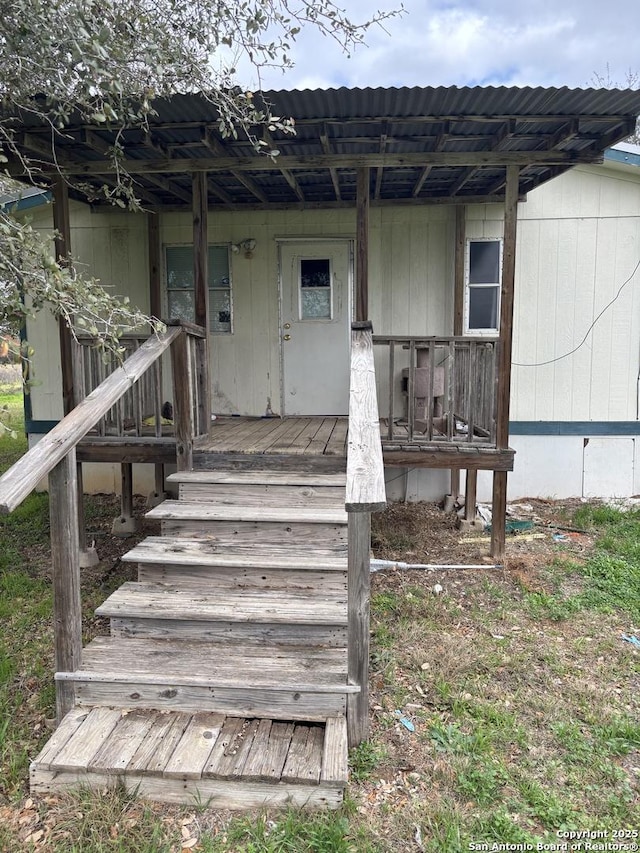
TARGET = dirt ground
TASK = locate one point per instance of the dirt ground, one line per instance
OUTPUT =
(423, 533)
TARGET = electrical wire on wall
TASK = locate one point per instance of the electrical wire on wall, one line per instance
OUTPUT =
(587, 333)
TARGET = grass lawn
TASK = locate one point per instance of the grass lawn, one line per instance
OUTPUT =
(504, 706)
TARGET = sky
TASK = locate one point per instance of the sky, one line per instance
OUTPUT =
(475, 43)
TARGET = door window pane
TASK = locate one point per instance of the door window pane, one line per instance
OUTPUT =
(315, 289)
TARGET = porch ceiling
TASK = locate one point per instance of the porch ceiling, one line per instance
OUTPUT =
(423, 145)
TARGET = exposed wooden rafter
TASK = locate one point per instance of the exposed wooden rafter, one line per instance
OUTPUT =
(60, 162)
(217, 147)
(441, 141)
(326, 147)
(287, 174)
(384, 136)
(96, 143)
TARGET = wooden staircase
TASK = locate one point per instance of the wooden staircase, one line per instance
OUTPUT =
(224, 678)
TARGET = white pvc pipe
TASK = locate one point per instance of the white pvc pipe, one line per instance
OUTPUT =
(377, 565)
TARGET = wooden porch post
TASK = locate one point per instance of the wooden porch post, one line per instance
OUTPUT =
(362, 245)
(201, 283)
(155, 309)
(62, 225)
(458, 321)
(499, 506)
(67, 610)
(71, 395)
(155, 265)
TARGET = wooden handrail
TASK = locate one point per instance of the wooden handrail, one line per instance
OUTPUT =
(20, 480)
(365, 469)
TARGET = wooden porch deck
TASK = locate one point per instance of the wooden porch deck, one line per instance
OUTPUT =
(321, 442)
(318, 443)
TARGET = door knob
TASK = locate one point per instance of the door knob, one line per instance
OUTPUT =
(287, 325)
(286, 337)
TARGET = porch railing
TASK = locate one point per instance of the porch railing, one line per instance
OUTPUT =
(438, 389)
(365, 493)
(55, 456)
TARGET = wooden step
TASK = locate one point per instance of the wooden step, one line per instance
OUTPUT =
(247, 615)
(322, 526)
(221, 552)
(258, 488)
(176, 757)
(227, 564)
(257, 477)
(300, 682)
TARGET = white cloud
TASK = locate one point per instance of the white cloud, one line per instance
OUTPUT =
(480, 42)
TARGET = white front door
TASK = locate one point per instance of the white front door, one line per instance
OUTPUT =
(315, 326)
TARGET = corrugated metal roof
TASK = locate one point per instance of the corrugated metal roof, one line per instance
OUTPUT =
(431, 144)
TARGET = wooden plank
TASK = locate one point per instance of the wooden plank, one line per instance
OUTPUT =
(305, 437)
(232, 762)
(262, 533)
(128, 449)
(327, 636)
(268, 766)
(242, 433)
(206, 460)
(229, 731)
(123, 742)
(284, 438)
(272, 478)
(288, 703)
(358, 625)
(88, 738)
(337, 444)
(255, 761)
(217, 793)
(152, 754)
(365, 489)
(259, 495)
(335, 756)
(65, 571)
(447, 457)
(323, 436)
(304, 760)
(192, 752)
(181, 510)
(69, 725)
(215, 551)
(134, 599)
(334, 161)
(307, 580)
(183, 663)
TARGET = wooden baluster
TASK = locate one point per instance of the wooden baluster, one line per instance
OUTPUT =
(411, 385)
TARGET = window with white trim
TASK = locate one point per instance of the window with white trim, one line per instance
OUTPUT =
(180, 289)
(483, 281)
